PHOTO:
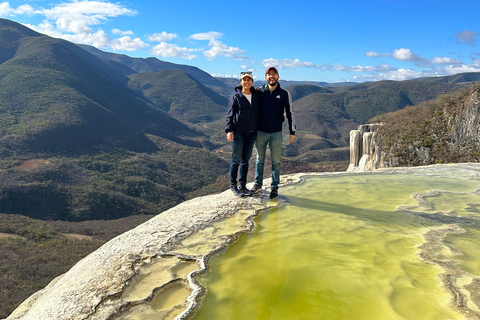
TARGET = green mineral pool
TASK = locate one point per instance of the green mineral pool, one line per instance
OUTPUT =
(363, 247)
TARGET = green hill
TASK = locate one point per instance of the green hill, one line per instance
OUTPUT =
(468, 77)
(105, 151)
(300, 91)
(443, 130)
(147, 65)
(332, 115)
(180, 94)
(53, 100)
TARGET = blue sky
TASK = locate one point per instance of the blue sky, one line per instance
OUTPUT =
(329, 41)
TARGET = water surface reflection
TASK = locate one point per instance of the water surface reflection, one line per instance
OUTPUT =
(350, 247)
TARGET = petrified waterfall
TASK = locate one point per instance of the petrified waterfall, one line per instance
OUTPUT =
(365, 148)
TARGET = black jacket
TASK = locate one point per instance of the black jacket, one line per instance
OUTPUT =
(274, 106)
(242, 116)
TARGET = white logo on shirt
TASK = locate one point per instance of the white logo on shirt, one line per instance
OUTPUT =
(278, 97)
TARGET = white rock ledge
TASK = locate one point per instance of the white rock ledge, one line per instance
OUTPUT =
(92, 288)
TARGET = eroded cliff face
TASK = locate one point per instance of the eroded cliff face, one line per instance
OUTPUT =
(466, 129)
(449, 134)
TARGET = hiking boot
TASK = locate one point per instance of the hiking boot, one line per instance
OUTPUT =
(274, 193)
(236, 192)
(245, 191)
(256, 188)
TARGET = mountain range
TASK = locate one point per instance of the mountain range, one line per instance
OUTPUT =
(125, 135)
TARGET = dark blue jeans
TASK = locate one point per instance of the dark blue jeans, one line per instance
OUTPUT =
(242, 146)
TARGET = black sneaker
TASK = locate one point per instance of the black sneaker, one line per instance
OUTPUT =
(245, 191)
(274, 193)
(256, 188)
(236, 192)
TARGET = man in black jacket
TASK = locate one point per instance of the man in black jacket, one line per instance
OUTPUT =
(275, 104)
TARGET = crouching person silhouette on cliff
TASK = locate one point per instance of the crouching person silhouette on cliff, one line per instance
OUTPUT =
(241, 130)
(275, 104)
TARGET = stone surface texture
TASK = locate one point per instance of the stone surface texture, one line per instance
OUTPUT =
(92, 289)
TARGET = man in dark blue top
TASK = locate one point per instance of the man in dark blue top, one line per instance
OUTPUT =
(275, 104)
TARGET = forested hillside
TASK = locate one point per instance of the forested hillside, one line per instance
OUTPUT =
(101, 150)
(444, 130)
(180, 94)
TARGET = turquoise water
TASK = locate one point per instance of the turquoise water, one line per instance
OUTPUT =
(347, 247)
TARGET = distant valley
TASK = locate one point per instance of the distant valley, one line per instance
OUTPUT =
(127, 136)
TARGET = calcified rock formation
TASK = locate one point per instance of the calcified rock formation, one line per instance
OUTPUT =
(466, 129)
(365, 148)
(177, 242)
(92, 288)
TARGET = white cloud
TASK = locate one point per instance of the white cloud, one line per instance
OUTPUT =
(445, 60)
(359, 68)
(78, 16)
(466, 36)
(46, 27)
(167, 50)
(405, 55)
(406, 74)
(74, 20)
(7, 11)
(452, 69)
(97, 39)
(288, 63)
(396, 75)
(123, 33)
(221, 75)
(212, 35)
(127, 44)
(219, 49)
(162, 36)
(372, 54)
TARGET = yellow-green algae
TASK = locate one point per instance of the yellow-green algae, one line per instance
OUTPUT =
(167, 303)
(156, 274)
(348, 248)
(159, 290)
(385, 253)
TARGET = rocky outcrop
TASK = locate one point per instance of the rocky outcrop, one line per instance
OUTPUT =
(466, 129)
(365, 148)
(445, 130)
